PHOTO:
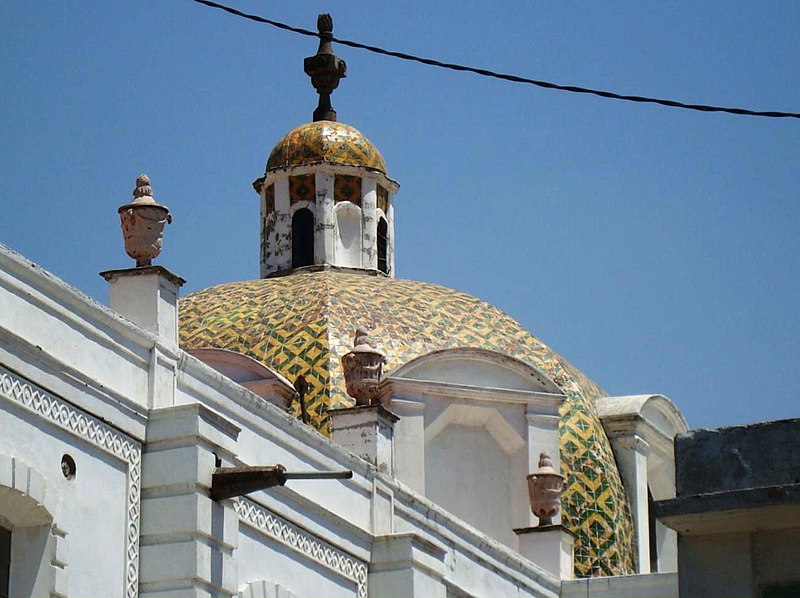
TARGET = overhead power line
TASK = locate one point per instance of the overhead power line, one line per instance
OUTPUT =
(504, 76)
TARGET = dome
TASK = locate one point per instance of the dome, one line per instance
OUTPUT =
(303, 323)
(326, 142)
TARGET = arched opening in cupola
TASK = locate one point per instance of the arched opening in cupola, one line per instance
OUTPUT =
(302, 238)
(383, 244)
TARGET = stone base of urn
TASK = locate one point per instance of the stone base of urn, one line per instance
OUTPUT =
(549, 546)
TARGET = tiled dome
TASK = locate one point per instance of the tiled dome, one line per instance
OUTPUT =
(303, 323)
(325, 142)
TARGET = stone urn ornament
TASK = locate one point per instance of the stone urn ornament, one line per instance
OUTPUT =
(363, 368)
(143, 223)
(545, 487)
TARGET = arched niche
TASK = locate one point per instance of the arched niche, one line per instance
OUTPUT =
(472, 425)
(348, 235)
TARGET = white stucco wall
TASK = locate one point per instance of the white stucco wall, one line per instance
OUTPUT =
(469, 474)
(38, 428)
(261, 557)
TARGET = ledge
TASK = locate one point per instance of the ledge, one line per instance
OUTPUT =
(110, 275)
(770, 507)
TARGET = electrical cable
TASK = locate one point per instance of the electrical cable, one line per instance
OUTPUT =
(503, 76)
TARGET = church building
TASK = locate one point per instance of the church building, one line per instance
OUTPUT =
(324, 431)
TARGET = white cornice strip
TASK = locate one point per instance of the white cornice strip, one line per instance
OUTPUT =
(451, 390)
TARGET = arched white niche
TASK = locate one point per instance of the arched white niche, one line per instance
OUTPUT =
(472, 425)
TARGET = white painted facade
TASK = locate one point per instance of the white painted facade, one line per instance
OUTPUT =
(436, 507)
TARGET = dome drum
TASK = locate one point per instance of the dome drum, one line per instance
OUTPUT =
(326, 200)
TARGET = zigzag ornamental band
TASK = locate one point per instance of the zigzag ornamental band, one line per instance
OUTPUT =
(298, 539)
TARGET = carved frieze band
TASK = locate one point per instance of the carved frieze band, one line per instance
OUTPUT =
(99, 434)
(296, 538)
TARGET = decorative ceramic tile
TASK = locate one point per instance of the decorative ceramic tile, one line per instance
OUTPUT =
(347, 188)
(325, 142)
(302, 323)
(383, 199)
(302, 188)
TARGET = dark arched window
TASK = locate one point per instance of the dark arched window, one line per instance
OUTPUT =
(302, 238)
(383, 244)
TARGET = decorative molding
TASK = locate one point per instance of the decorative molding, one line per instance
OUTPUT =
(298, 539)
(543, 402)
(75, 421)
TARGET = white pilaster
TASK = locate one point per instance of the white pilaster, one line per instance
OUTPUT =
(631, 453)
(148, 296)
(324, 224)
(369, 223)
(406, 566)
(367, 431)
(187, 539)
(267, 240)
(409, 443)
(551, 547)
(282, 255)
(390, 234)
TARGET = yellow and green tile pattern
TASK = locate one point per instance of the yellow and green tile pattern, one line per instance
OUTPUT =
(302, 323)
(325, 142)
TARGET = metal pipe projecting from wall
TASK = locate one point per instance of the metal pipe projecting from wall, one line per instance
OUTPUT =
(227, 482)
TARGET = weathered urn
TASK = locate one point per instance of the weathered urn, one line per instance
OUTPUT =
(143, 223)
(545, 487)
(363, 368)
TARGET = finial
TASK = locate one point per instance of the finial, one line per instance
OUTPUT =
(363, 368)
(143, 222)
(545, 487)
(325, 69)
(143, 192)
(546, 463)
(361, 338)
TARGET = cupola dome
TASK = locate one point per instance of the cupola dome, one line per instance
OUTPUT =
(325, 142)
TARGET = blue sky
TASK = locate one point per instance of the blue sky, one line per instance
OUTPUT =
(656, 249)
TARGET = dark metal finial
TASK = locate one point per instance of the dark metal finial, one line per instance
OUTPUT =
(325, 69)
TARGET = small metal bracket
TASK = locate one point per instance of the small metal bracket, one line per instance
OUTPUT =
(227, 482)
